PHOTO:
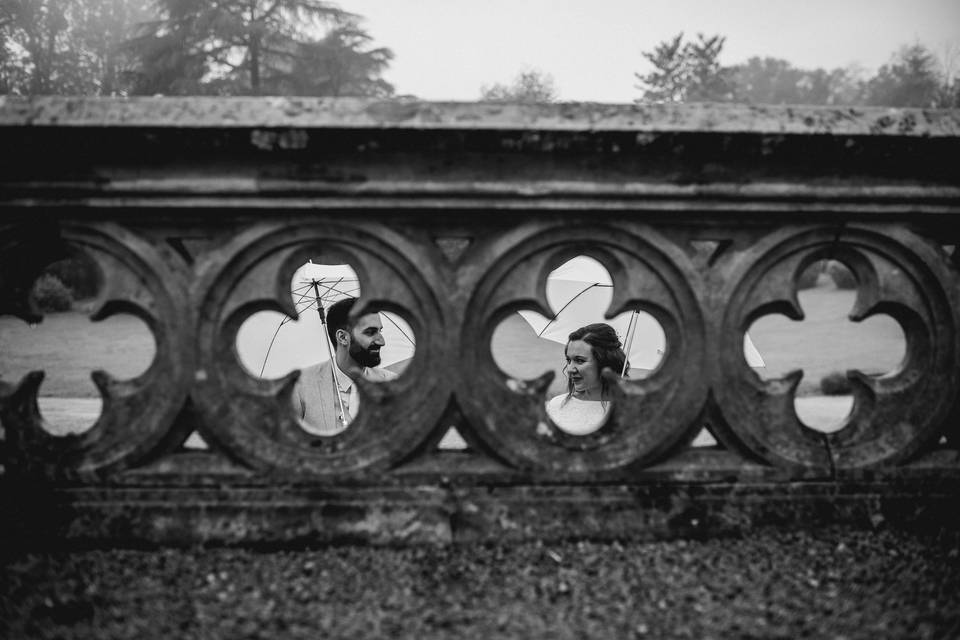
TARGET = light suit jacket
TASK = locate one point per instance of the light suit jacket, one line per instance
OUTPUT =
(315, 400)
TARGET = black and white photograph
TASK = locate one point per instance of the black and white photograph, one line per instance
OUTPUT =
(532, 319)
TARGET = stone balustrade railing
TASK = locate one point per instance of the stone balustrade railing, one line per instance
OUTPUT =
(198, 211)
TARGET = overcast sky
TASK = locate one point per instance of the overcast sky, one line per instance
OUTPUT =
(448, 49)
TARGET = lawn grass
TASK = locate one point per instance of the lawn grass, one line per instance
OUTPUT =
(826, 340)
(69, 346)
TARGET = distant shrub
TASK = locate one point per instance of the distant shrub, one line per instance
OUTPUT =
(79, 273)
(51, 294)
(841, 276)
(808, 279)
(835, 383)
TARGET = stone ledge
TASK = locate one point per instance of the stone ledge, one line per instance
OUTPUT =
(361, 113)
(296, 515)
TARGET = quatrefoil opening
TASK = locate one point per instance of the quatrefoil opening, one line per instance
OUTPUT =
(898, 411)
(327, 343)
(647, 417)
(80, 352)
(139, 285)
(827, 343)
(527, 344)
(255, 420)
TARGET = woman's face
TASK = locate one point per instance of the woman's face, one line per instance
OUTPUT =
(582, 368)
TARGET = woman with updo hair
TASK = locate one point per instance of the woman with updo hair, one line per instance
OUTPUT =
(585, 406)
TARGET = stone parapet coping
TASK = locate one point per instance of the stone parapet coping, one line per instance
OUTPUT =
(364, 113)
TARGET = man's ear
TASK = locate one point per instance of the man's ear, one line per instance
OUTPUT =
(343, 337)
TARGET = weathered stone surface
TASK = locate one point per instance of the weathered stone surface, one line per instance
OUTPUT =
(272, 514)
(342, 113)
(198, 211)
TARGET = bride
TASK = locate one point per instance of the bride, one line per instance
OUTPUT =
(584, 408)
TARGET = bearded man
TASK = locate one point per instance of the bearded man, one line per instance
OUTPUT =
(357, 345)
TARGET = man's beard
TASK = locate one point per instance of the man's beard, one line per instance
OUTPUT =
(364, 357)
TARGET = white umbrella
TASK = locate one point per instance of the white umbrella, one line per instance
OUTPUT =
(270, 344)
(581, 290)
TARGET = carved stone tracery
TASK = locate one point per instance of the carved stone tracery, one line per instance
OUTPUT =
(251, 419)
(651, 416)
(453, 217)
(894, 416)
(137, 421)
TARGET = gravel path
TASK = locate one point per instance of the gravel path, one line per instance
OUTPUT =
(832, 583)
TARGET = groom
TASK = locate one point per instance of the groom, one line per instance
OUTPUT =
(357, 354)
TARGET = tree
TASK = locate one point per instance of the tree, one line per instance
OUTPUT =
(910, 80)
(34, 38)
(13, 72)
(255, 47)
(531, 86)
(667, 82)
(949, 95)
(846, 85)
(65, 46)
(340, 64)
(100, 29)
(685, 72)
(776, 81)
(707, 81)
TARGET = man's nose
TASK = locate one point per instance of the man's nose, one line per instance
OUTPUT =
(379, 340)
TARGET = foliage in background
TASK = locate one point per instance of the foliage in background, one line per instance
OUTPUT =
(911, 79)
(687, 72)
(531, 86)
(312, 47)
(66, 46)
(775, 81)
(842, 276)
(810, 276)
(833, 270)
(187, 47)
(78, 273)
(50, 294)
(256, 47)
(691, 72)
(835, 383)
(666, 83)
(343, 63)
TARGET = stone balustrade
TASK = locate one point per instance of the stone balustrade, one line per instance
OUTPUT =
(198, 211)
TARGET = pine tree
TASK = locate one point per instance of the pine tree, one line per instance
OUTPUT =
(343, 63)
(687, 72)
(668, 80)
(706, 80)
(910, 80)
(256, 47)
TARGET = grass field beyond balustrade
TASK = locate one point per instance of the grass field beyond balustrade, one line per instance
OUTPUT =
(68, 346)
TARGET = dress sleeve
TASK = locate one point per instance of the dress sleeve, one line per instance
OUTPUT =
(554, 407)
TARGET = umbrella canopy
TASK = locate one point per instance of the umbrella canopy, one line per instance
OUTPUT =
(581, 290)
(270, 344)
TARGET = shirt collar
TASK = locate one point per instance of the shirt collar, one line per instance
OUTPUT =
(345, 382)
